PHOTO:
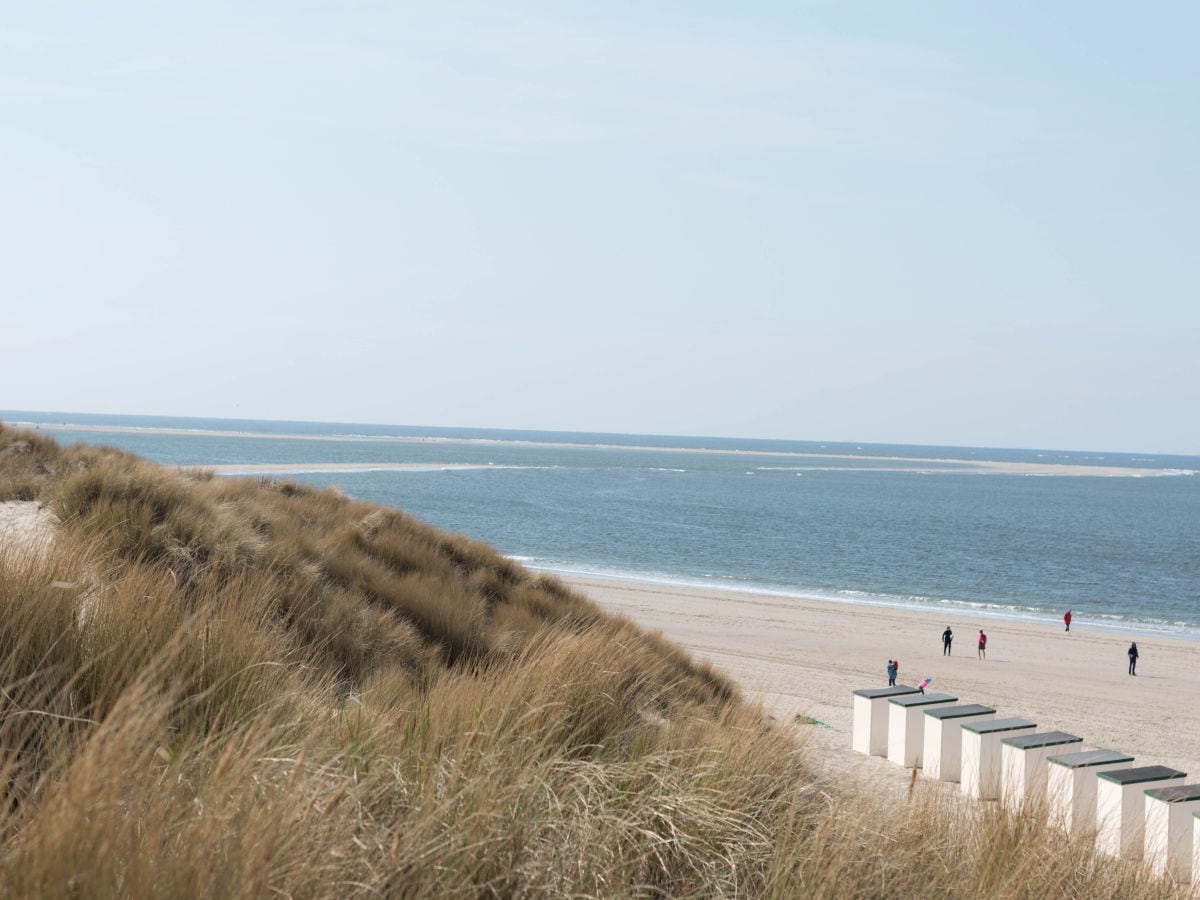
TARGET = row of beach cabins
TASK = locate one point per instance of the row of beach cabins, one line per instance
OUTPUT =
(1135, 812)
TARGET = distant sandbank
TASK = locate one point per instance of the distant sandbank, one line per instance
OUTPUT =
(918, 465)
(807, 657)
(300, 468)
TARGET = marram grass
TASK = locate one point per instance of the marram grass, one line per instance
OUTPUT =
(239, 688)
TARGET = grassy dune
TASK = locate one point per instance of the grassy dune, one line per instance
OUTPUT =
(236, 688)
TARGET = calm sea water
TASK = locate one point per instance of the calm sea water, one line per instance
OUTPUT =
(901, 525)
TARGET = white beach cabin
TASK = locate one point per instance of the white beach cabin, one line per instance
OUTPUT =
(1024, 771)
(1168, 841)
(981, 776)
(1071, 786)
(1121, 807)
(870, 735)
(1196, 850)
(906, 726)
(942, 758)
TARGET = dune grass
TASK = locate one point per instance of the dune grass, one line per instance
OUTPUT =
(239, 688)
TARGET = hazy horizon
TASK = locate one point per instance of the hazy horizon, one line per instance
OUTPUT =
(651, 434)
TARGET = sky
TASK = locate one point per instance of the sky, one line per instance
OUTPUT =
(921, 222)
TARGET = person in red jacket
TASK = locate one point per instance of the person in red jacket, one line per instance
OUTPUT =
(1067, 619)
(982, 644)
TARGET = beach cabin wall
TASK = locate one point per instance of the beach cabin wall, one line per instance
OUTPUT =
(981, 776)
(942, 758)
(1121, 807)
(1168, 837)
(1071, 786)
(870, 735)
(1023, 765)
(906, 726)
(1196, 850)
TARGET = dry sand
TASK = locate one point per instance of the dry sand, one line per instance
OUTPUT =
(25, 527)
(807, 657)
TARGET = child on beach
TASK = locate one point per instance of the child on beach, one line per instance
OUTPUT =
(982, 644)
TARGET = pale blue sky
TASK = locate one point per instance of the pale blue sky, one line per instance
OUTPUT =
(940, 223)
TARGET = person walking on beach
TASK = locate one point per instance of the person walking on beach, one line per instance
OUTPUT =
(982, 644)
(1133, 655)
(1067, 619)
(947, 637)
(891, 670)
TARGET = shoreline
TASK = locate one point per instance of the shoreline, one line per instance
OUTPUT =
(806, 657)
(1127, 628)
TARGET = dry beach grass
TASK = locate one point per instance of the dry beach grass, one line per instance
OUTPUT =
(237, 688)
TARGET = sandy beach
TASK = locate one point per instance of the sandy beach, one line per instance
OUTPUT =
(807, 657)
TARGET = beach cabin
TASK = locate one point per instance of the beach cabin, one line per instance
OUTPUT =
(1121, 807)
(906, 726)
(1023, 766)
(981, 776)
(1071, 786)
(870, 735)
(1169, 829)
(942, 756)
(1196, 849)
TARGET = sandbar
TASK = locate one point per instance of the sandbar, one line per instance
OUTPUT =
(805, 460)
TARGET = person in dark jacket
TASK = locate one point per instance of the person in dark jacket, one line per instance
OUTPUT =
(947, 637)
(1133, 655)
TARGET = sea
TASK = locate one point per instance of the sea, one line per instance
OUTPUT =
(997, 533)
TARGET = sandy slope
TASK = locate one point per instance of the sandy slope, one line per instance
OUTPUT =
(25, 526)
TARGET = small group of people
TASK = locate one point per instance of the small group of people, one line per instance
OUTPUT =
(893, 666)
(948, 639)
